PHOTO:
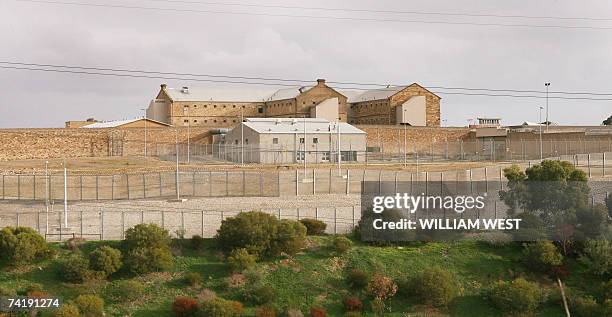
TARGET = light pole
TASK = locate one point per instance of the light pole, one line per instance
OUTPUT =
(405, 146)
(304, 118)
(241, 137)
(547, 122)
(47, 195)
(339, 152)
(540, 133)
(65, 196)
(145, 132)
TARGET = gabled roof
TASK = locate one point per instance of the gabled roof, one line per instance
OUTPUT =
(381, 93)
(212, 94)
(288, 93)
(118, 123)
(298, 125)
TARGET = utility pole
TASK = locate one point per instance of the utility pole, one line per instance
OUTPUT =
(547, 122)
(145, 132)
(47, 196)
(540, 133)
(241, 137)
(304, 118)
(339, 152)
(405, 145)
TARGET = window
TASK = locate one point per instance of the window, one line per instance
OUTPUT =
(195, 121)
(242, 106)
(300, 155)
(260, 110)
(315, 140)
(205, 121)
(195, 106)
(185, 121)
(224, 120)
(325, 156)
(235, 141)
(233, 106)
(205, 106)
(349, 156)
(215, 106)
(246, 141)
(224, 106)
(274, 140)
(234, 121)
(215, 120)
(301, 140)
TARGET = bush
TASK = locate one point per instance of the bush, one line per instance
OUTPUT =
(254, 231)
(219, 307)
(240, 260)
(74, 269)
(314, 227)
(74, 244)
(185, 306)
(436, 286)
(128, 290)
(352, 314)
(67, 310)
(147, 249)
(516, 296)
(381, 287)
(105, 259)
(586, 307)
(21, 245)
(352, 304)
(266, 311)
(290, 239)
(318, 312)
(358, 279)
(6, 291)
(146, 260)
(597, 256)
(541, 256)
(90, 305)
(341, 244)
(197, 242)
(193, 278)
(262, 294)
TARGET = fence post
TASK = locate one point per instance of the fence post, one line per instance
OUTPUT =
(279, 214)
(589, 164)
(202, 222)
(193, 184)
(113, 187)
(317, 213)
(160, 184)
(141, 216)
(330, 180)
(335, 220)
(163, 219)
(379, 181)
(471, 181)
(101, 224)
(144, 186)
(34, 187)
(395, 181)
(226, 183)
(297, 187)
(298, 213)
(210, 184)
(97, 187)
(122, 224)
(243, 183)
(81, 220)
(127, 185)
(348, 181)
(261, 183)
(353, 216)
(17, 219)
(314, 181)
(18, 187)
(501, 179)
(486, 180)
(80, 183)
(182, 221)
(3, 186)
(603, 164)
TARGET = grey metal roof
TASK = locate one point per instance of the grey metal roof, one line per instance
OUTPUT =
(376, 94)
(117, 123)
(212, 94)
(298, 125)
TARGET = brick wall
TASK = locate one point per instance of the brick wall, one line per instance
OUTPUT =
(389, 138)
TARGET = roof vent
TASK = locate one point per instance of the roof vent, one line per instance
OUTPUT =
(278, 121)
(185, 90)
(294, 121)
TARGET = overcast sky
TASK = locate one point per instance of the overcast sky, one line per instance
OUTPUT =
(575, 60)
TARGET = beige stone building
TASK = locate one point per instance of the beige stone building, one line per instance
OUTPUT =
(412, 105)
(213, 108)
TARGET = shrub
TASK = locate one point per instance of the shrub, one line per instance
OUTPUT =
(253, 230)
(219, 307)
(105, 259)
(290, 239)
(516, 296)
(67, 310)
(90, 305)
(542, 256)
(597, 256)
(358, 279)
(197, 242)
(318, 312)
(6, 291)
(261, 294)
(31, 287)
(240, 260)
(352, 304)
(586, 307)
(74, 244)
(314, 227)
(352, 314)
(185, 306)
(381, 287)
(266, 311)
(436, 286)
(128, 290)
(21, 245)
(147, 249)
(341, 244)
(74, 269)
(146, 260)
(193, 278)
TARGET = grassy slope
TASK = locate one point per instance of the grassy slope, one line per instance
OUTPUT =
(314, 277)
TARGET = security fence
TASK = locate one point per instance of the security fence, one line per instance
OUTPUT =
(250, 183)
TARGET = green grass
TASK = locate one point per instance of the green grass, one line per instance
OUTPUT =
(314, 277)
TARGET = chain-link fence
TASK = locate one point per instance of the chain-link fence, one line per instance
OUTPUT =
(245, 183)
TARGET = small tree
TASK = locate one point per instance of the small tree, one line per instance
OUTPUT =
(597, 256)
(240, 260)
(74, 269)
(516, 296)
(358, 279)
(437, 286)
(22, 245)
(105, 259)
(290, 238)
(542, 256)
(67, 310)
(90, 305)
(146, 236)
(381, 287)
(128, 290)
(254, 231)
(341, 244)
(147, 249)
(314, 227)
(185, 307)
(219, 307)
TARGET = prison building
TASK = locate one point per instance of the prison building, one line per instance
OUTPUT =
(412, 105)
(182, 107)
(292, 140)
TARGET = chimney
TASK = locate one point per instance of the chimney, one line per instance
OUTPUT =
(320, 82)
(163, 86)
